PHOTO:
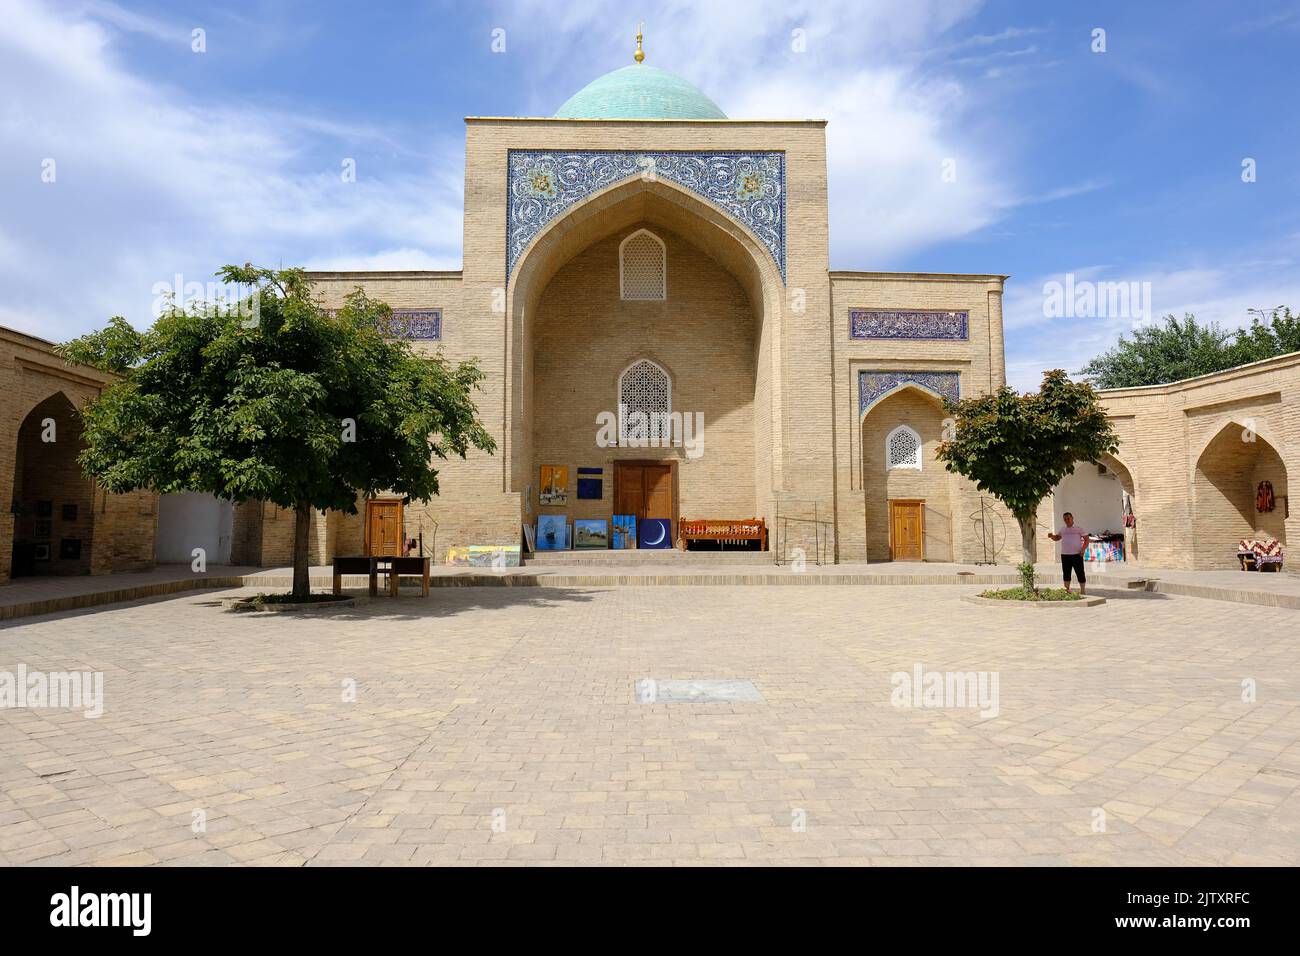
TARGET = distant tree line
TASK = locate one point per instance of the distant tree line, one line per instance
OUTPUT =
(1176, 349)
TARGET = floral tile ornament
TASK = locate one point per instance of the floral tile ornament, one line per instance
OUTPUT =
(919, 324)
(875, 385)
(542, 183)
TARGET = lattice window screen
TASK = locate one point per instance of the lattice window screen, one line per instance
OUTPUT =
(903, 449)
(645, 388)
(644, 268)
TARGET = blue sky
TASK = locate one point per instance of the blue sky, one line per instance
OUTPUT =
(1123, 165)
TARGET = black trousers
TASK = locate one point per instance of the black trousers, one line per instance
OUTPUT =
(1073, 562)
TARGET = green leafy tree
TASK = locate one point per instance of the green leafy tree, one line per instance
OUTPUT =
(295, 406)
(1017, 447)
(1271, 332)
(1177, 349)
(1166, 352)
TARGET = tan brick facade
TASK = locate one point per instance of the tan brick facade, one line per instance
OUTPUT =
(54, 511)
(1197, 451)
(768, 360)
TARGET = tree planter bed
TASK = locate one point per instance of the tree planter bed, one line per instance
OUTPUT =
(1011, 602)
(319, 602)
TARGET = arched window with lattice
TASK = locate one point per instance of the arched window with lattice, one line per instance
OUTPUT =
(645, 403)
(903, 449)
(643, 267)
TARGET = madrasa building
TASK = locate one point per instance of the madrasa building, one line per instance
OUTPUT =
(640, 251)
(640, 258)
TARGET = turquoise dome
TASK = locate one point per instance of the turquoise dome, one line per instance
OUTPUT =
(639, 92)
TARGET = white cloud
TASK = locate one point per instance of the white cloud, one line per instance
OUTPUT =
(891, 126)
(151, 181)
(1222, 294)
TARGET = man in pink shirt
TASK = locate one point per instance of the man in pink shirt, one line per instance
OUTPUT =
(1073, 540)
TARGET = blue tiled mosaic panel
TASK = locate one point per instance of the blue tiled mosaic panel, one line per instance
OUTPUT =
(416, 324)
(543, 183)
(872, 324)
(872, 386)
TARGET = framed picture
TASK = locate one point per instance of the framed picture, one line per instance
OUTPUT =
(45, 509)
(624, 532)
(42, 528)
(41, 552)
(530, 539)
(69, 549)
(555, 484)
(70, 512)
(484, 556)
(591, 484)
(656, 534)
(591, 533)
(552, 533)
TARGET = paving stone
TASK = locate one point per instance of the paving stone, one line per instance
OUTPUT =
(501, 726)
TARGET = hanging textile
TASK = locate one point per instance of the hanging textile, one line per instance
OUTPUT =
(1264, 497)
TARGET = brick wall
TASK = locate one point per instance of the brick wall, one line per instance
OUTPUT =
(1197, 450)
(116, 532)
(702, 335)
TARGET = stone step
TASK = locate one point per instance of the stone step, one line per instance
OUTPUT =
(637, 558)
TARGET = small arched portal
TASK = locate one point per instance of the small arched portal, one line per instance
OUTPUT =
(53, 502)
(1100, 495)
(908, 492)
(702, 311)
(1230, 472)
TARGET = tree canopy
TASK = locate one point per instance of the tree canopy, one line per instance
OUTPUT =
(1177, 349)
(298, 406)
(1018, 447)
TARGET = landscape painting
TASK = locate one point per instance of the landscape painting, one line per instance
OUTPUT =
(590, 533)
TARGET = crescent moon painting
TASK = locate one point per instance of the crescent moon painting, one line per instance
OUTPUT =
(656, 533)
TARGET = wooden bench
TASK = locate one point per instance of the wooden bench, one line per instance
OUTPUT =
(397, 567)
(393, 566)
(355, 565)
(724, 532)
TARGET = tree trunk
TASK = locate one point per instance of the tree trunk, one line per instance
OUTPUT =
(301, 554)
(1028, 538)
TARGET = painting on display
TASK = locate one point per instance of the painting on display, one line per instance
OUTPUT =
(656, 533)
(591, 484)
(624, 532)
(530, 540)
(590, 533)
(485, 556)
(552, 533)
(555, 484)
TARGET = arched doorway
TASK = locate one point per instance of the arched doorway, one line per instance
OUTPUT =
(53, 502)
(1229, 472)
(1100, 495)
(707, 323)
(908, 492)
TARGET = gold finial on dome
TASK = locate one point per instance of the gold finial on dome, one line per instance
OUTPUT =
(639, 55)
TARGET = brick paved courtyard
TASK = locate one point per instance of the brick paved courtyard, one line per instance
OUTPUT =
(502, 725)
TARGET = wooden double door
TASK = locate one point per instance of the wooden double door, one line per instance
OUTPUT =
(907, 530)
(384, 531)
(647, 489)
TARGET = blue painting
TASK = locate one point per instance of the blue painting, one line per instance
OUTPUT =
(590, 484)
(552, 533)
(656, 533)
(624, 532)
